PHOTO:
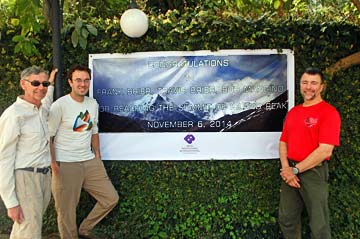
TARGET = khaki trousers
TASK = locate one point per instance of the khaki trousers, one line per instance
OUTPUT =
(33, 191)
(66, 187)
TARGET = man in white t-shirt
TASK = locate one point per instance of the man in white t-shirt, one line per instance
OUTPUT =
(76, 159)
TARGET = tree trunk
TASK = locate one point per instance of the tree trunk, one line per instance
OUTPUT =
(344, 63)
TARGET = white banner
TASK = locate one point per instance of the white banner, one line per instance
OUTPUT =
(199, 105)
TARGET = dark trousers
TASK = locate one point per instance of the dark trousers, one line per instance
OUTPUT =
(313, 195)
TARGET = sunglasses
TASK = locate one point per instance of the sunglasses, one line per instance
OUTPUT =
(36, 83)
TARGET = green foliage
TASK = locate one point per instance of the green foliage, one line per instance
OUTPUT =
(198, 199)
(212, 199)
(31, 15)
(80, 32)
(86, 8)
(30, 18)
(6, 8)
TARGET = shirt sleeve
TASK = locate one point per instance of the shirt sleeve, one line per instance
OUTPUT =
(9, 135)
(283, 136)
(330, 128)
(55, 115)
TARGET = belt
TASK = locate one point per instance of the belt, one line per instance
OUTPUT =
(293, 163)
(36, 170)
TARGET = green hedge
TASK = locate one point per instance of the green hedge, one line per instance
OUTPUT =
(214, 199)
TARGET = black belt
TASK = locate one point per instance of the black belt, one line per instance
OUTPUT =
(36, 170)
(293, 163)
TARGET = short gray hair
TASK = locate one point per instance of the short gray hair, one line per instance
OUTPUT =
(33, 70)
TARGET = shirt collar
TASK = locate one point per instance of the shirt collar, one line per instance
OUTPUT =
(20, 100)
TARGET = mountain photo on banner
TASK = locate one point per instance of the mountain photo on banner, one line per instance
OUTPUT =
(196, 93)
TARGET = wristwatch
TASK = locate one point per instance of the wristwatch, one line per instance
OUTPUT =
(295, 170)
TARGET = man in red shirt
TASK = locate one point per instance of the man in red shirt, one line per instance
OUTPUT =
(310, 133)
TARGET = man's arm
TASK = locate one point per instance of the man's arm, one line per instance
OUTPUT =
(95, 141)
(95, 145)
(54, 165)
(49, 98)
(9, 132)
(55, 116)
(286, 171)
(322, 152)
(283, 154)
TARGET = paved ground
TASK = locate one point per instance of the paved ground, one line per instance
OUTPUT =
(2, 236)
(52, 236)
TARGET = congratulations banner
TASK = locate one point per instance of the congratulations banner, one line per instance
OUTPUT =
(199, 105)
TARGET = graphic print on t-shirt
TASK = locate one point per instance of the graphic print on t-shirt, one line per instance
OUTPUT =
(82, 122)
(310, 122)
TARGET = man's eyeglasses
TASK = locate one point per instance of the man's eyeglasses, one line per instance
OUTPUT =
(79, 81)
(36, 83)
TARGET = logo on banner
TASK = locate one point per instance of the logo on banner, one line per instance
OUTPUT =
(189, 149)
(189, 138)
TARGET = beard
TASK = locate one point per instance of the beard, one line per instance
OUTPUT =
(308, 97)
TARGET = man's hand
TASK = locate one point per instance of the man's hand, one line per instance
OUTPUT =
(16, 214)
(290, 178)
(52, 76)
(54, 168)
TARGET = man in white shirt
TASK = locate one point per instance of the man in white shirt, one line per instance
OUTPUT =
(76, 159)
(25, 180)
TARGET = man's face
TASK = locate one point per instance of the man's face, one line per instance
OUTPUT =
(34, 94)
(311, 87)
(80, 83)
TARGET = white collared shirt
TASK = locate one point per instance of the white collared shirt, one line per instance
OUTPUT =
(24, 142)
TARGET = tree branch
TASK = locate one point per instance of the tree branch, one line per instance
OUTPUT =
(281, 9)
(344, 63)
(357, 4)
